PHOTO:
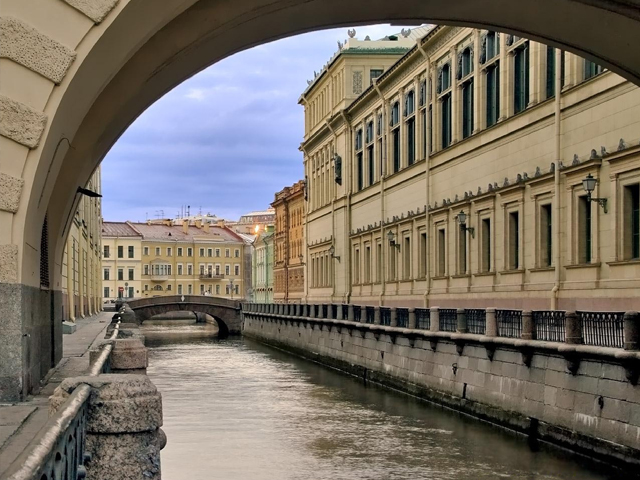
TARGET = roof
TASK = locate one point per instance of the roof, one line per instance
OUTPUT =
(194, 234)
(118, 229)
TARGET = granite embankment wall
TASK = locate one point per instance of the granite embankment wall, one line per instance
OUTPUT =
(575, 396)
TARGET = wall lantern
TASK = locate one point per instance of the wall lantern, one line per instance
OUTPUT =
(392, 240)
(589, 185)
(332, 252)
(462, 220)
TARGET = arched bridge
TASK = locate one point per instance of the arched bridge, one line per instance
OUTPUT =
(225, 311)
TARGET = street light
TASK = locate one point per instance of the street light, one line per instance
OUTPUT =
(332, 252)
(392, 240)
(589, 185)
(462, 220)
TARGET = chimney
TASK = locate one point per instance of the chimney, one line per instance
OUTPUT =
(199, 223)
(185, 226)
(205, 226)
(221, 223)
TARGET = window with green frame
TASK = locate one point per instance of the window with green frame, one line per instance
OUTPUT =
(467, 108)
(493, 94)
(521, 78)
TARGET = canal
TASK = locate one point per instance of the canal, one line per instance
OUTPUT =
(235, 409)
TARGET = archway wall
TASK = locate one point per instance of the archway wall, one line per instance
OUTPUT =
(74, 74)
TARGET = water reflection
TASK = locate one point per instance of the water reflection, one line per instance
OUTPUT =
(235, 409)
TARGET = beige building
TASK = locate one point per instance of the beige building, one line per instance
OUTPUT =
(456, 178)
(81, 296)
(121, 261)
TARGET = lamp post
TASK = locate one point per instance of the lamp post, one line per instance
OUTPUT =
(462, 220)
(589, 185)
(332, 252)
(392, 240)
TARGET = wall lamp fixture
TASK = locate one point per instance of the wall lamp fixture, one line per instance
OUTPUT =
(332, 252)
(392, 240)
(589, 185)
(462, 220)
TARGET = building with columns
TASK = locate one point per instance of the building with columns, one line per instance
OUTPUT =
(262, 266)
(457, 178)
(288, 267)
(81, 295)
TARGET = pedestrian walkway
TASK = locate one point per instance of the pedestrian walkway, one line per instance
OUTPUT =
(20, 422)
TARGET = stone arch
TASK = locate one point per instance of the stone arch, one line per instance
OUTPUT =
(76, 74)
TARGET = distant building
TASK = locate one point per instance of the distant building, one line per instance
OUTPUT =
(121, 261)
(254, 222)
(289, 244)
(262, 267)
(81, 294)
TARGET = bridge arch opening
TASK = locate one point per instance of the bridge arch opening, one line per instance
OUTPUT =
(178, 318)
(122, 56)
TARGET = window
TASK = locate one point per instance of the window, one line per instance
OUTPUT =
(237, 289)
(374, 73)
(226, 290)
(227, 269)
(521, 78)
(202, 252)
(551, 71)
(591, 69)
(179, 251)
(189, 252)
(446, 120)
(130, 252)
(392, 273)
(406, 260)
(584, 230)
(514, 241)
(236, 269)
(442, 253)
(396, 150)
(179, 269)
(493, 45)
(169, 252)
(379, 262)
(106, 275)
(201, 289)
(217, 289)
(466, 63)
(359, 167)
(189, 289)
(106, 253)
(546, 236)
(356, 265)
(227, 253)
(462, 250)
(423, 255)
(467, 108)
(120, 274)
(236, 253)
(146, 269)
(367, 264)
(146, 288)
(120, 251)
(422, 100)
(157, 251)
(493, 94)
(130, 274)
(209, 252)
(146, 251)
(217, 269)
(217, 252)
(179, 289)
(631, 223)
(105, 292)
(201, 268)
(395, 114)
(371, 164)
(189, 269)
(411, 140)
(369, 134)
(169, 288)
(409, 104)
(485, 245)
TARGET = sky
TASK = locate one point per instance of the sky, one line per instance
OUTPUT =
(225, 140)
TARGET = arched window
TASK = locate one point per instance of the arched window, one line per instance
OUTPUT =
(409, 104)
(466, 64)
(395, 114)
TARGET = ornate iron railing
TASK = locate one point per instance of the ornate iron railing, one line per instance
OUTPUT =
(476, 320)
(402, 317)
(423, 318)
(603, 329)
(509, 323)
(385, 316)
(549, 325)
(448, 319)
(370, 314)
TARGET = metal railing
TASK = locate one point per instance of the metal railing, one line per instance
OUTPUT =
(603, 329)
(509, 323)
(423, 318)
(549, 325)
(402, 317)
(385, 316)
(476, 320)
(448, 319)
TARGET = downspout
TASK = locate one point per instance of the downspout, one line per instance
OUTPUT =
(427, 176)
(383, 172)
(347, 162)
(556, 181)
(305, 270)
(333, 216)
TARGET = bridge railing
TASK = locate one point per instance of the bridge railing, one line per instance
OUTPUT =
(599, 329)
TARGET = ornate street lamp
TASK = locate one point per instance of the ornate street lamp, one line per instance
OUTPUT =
(332, 252)
(392, 240)
(462, 220)
(589, 185)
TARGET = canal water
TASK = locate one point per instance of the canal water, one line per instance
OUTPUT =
(235, 409)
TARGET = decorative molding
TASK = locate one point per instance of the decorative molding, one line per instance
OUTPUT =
(10, 191)
(8, 263)
(452, 32)
(27, 46)
(21, 123)
(96, 10)
(357, 82)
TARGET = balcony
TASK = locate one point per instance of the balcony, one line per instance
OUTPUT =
(159, 278)
(211, 276)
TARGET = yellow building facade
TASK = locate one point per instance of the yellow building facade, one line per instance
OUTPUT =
(121, 261)
(456, 179)
(81, 296)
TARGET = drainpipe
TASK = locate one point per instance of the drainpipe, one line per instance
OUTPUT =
(305, 270)
(556, 180)
(427, 175)
(383, 171)
(347, 162)
(333, 215)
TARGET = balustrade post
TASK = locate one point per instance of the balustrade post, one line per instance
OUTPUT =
(528, 328)
(376, 315)
(573, 329)
(412, 318)
(434, 319)
(129, 355)
(124, 416)
(491, 327)
(394, 317)
(631, 331)
(461, 321)
(350, 314)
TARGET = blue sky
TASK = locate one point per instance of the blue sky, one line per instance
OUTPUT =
(226, 139)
